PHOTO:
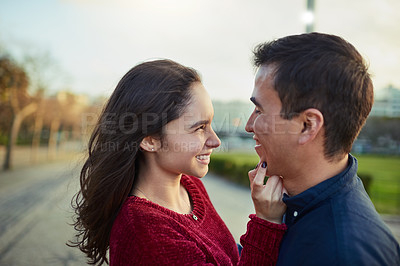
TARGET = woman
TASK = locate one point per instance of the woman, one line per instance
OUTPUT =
(141, 196)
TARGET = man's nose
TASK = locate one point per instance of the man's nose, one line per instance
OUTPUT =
(249, 124)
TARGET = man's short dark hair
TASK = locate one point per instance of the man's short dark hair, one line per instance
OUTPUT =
(325, 72)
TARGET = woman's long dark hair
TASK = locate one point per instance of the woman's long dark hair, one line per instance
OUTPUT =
(148, 97)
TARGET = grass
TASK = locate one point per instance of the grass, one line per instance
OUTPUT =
(385, 187)
(385, 172)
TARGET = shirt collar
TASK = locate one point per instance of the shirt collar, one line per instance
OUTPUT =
(312, 196)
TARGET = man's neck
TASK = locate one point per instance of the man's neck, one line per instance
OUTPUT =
(313, 173)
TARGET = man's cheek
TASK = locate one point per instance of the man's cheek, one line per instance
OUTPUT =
(261, 125)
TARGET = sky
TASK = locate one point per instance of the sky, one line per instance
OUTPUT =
(95, 42)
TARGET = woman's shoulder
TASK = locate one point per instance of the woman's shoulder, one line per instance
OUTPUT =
(140, 210)
(138, 226)
(137, 214)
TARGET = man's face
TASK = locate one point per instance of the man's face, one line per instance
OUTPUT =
(275, 137)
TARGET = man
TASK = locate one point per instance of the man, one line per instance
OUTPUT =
(312, 95)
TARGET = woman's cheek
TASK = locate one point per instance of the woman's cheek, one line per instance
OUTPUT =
(195, 147)
(191, 145)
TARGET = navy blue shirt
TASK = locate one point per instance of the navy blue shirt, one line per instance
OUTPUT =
(335, 223)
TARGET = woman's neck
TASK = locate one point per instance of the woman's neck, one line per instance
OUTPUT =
(161, 188)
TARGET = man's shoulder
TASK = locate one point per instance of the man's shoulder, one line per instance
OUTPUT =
(361, 232)
(345, 227)
(357, 232)
(353, 209)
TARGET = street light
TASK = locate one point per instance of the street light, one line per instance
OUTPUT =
(308, 16)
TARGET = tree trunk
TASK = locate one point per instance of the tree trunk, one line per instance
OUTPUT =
(36, 137)
(16, 124)
(55, 126)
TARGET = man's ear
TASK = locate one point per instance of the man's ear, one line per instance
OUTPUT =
(312, 120)
(150, 144)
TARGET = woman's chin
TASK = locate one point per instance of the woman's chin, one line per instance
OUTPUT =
(198, 174)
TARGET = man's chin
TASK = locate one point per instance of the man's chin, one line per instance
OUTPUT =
(262, 158)
(261, 153)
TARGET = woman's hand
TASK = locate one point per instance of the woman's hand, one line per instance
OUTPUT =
(267, 199)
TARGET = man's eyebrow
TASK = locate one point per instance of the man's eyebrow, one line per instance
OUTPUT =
(201, 122)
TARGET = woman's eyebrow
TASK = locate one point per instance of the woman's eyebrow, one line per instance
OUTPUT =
(201, 122)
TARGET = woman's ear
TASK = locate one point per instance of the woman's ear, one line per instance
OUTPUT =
(149, 144)
(312, 120)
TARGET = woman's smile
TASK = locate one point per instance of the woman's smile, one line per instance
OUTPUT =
(204, 158)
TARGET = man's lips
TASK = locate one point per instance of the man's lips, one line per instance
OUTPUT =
(257, 142)
(260, 151)
(259, 148)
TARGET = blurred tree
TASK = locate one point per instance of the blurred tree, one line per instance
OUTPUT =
(52, 118)
(42, 71)
(376, 127)
(38, 126)
(73, 107)
(13, 92)
(67, 121)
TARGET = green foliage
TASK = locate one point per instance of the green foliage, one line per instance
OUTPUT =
(385, 184)
(379, 174)
(233, 166)
(3, 139)
(367, 180)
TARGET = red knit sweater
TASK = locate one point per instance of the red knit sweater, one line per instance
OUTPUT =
(145, 233)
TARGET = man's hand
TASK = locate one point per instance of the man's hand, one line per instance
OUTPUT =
(267, 199)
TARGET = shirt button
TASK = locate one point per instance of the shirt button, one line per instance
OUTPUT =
(295, 213)
(195, 217)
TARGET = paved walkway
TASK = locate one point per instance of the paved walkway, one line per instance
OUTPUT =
(35, 212)
(34, 215)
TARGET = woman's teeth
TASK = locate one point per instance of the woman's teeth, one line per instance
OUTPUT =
(203, 157)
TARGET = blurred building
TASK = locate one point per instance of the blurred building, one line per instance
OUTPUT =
(229, 123)
(230, 117)
(387, 104)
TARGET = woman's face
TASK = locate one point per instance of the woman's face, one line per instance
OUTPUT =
(189, 140)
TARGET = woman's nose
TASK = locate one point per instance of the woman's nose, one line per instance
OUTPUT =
(213, 141)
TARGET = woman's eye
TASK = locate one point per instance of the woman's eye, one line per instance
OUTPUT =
(201, 127)
(257, 111)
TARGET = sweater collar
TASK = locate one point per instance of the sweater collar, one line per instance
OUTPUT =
(198, 211)
(195, 196)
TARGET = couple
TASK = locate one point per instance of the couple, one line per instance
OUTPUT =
(147, 205)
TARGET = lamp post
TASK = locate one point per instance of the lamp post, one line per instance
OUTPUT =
(309, 16)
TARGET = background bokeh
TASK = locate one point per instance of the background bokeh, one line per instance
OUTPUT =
(61, 59)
